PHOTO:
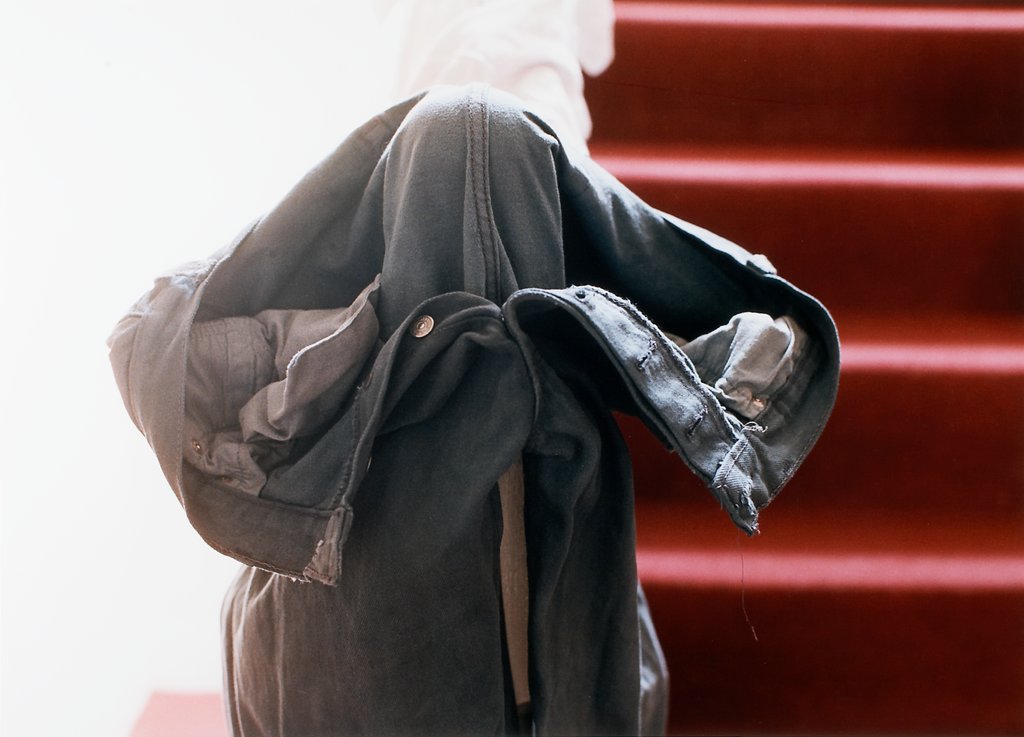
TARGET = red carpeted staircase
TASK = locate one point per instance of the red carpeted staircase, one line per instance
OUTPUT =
(875, 153)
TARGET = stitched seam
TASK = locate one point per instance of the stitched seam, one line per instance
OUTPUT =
(480, 172)
(338, 499)
(190, 319)
(731, 460)
(128, 383)
(673, 357)
(810, 351)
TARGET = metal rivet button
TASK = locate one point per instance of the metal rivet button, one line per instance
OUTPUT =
(422, 326)
(197, 446)
(581, 294)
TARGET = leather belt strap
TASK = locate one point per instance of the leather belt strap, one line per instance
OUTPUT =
(515, 588)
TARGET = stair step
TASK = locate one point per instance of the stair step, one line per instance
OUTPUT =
(829, 659)
(175, 714)
(928, 419)
(832, 75)
(837, 623)
(941, 232)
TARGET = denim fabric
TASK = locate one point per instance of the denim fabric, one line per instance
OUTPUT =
(380, 504)
(747, 361)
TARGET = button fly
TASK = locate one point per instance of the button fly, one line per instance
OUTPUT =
(422, 326)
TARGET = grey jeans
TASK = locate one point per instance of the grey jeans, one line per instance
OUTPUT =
(335, 396)
(462, 179)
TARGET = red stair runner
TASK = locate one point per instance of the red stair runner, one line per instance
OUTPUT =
(875, 153)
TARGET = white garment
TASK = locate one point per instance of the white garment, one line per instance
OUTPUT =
(534, 49)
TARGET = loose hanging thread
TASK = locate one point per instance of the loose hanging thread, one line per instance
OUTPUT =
(743, 590)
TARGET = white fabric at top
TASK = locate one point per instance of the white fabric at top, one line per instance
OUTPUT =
(535, 49)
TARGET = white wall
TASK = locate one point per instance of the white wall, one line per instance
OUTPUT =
(133, 136)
